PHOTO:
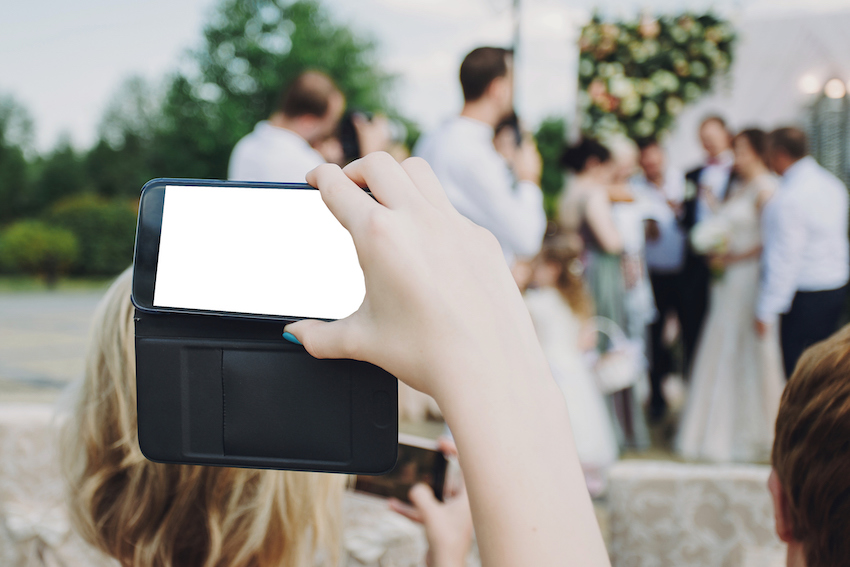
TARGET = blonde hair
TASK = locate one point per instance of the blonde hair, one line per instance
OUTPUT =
(150, 514)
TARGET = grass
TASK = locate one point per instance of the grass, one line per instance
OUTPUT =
(18, 284)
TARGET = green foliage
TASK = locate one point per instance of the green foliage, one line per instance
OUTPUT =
(637, 76)
(551, 142)
(104, 229)
(59, 175)
(32, 247)
(15, 143)
(252, 48)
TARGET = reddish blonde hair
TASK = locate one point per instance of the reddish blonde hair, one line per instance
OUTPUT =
(811, 451)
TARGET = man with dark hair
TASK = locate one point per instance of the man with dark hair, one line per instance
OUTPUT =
(810, 481)
(282, 147)
(705, 188)
(806, 258)
(477, 180)
(663, 190)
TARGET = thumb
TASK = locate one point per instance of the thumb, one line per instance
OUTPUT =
(326, 339)
(422, 497)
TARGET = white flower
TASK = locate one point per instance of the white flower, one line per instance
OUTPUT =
(650, 110)
(674, 105)
(621, 87)
(630, 105)
(586, 68)
(710, 235)
(644, 128)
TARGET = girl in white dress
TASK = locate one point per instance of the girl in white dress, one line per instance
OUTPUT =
(737, 377)
(560, 308)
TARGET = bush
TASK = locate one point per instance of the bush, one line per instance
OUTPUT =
(32, 247)
(104, 229)
(551, 143)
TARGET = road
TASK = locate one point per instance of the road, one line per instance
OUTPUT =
(43, 337)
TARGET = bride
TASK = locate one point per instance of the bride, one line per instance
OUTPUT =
(737, 376)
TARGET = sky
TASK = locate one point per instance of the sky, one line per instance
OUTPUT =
(65, 60)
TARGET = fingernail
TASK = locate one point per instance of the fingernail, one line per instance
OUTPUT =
(291, 338)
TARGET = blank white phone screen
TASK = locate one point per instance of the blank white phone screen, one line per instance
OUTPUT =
(258, 251)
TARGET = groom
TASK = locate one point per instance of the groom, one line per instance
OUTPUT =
(806, 261)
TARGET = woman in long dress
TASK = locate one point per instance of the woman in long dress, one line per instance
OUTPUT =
(561, 309)
(586, 210)
(737, 378)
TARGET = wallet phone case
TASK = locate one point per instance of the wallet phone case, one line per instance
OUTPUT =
(231, 392)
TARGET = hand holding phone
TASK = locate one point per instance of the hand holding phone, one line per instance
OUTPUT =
(448, 524)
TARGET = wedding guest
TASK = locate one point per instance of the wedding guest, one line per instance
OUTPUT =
(282, 147)
(810, 479)
(629, 212)
(477, 180)
(586, 210)
(663, 189)
(706, 187)
(806, 249)
(561, 308)
(737, 376)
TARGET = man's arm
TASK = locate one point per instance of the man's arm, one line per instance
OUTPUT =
(514, 215)
(784, 243)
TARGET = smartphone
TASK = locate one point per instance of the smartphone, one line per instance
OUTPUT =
(257, 250)
(419, 460)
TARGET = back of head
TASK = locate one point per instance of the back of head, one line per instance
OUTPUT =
(564, 250)
(576, 158)
(791, 141)
(309, 94)
(148, 514)
(480, 68)
(811, 451)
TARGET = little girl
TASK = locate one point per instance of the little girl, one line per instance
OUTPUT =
(560, 308)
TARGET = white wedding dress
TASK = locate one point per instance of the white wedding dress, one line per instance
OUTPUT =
(737, 378)
(558, 330)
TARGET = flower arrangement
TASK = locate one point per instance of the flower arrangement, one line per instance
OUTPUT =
(635, 77)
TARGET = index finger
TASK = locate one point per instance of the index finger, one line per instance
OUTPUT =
(346, 201)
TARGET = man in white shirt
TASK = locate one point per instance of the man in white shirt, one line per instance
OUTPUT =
(806, 258)
(281, 148)
(662, 189)
(705, 188)
(477, 180)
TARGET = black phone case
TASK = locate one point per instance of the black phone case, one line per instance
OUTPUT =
(231, 392)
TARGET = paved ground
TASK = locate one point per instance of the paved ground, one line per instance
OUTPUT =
(43, 337)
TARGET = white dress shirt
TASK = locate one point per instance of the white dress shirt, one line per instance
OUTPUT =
(804, 230)
(479, 184)
(270, 153)
(666, 254)
(715, 178)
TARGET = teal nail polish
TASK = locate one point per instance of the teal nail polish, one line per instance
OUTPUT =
(291, 338)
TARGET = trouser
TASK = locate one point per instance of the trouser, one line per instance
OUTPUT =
(812, 318)
(669, 298)
(696, 281)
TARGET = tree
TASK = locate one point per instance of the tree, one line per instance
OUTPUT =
(251, 49)
(16, 135)
(58, 175)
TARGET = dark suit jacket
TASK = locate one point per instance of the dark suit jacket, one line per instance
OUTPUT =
(692, 196)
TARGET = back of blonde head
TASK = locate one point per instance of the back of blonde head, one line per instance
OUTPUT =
(149, 514)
